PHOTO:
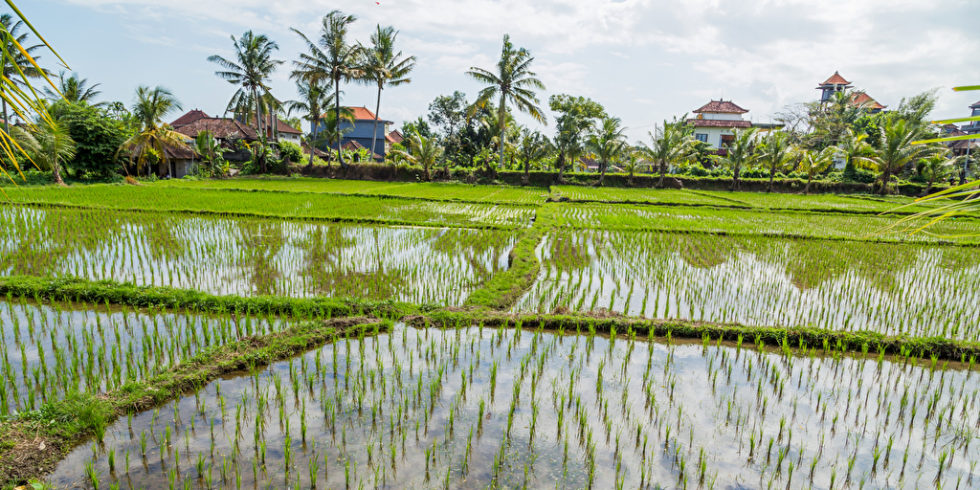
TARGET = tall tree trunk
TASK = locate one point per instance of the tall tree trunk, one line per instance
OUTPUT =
(602, 171)
(772, 176)
(885, 177)
(561, 165)
(663, 173)
(56, 171)
(735, 178)
(806, 188)
(336, 114)
(313, 127)
(527, 172)
(502, 118)
(6, 120)
(374, 135)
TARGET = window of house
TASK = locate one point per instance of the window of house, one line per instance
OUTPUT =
(701, 137)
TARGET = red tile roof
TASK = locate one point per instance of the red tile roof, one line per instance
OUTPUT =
(353, 145)
(719, 123)
(721, 106)
(221, 127)
(836, 79)
(283, 127)
(363, 114)
(188, 118)
(395, 137)
(864, 101)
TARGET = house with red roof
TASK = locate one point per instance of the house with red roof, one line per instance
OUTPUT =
(859, 98)
(716, 121)
(362, 132)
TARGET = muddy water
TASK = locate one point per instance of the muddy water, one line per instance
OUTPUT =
(402, 410)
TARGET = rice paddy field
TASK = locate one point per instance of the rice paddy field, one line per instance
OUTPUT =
(307, 333)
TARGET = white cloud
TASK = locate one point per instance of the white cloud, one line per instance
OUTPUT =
(763, 53)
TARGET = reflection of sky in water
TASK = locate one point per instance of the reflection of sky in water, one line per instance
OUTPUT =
(915, 291)
(237, 256)
(93, 344)
(711, 400)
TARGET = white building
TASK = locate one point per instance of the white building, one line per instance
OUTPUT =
(716, 121)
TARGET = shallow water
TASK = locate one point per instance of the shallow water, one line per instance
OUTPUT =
(889, 288)
(49, 350)
(402, 410)
(253, 256)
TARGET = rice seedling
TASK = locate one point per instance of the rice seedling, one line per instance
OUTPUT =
(249, 256)
(787, 398)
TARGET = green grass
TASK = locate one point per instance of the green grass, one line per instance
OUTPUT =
(413, 190)
(309, 206)
(759, 222)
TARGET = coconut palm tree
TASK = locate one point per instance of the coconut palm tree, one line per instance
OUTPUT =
(896, 149)
(512, 81)
(313, 100)
(250, 72)
(813, 162)
(15, 53)
(740, 153)
(331, 131)
(533, 146)
(421, 151)
(332, 58)
(154, 137)
(937, 167)
(669, 143)
(49, 144)
(607, 143)
(74, 90)
(383, 65)
(852, 146)
(633, 162)
(777, 153)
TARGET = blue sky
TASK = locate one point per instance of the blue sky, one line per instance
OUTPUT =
(645, 60)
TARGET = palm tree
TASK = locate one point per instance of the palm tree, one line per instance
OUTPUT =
(937, 166)
(776, 153)
(211, 151)
(852, 146)
(896, 149)
(313, 99)
(670, 143)
(740, 153)
(422, 151)
(813, 162)
(17, 67)
(332, 58)
(154, 137)
(384, 66)
(633, 163)
(250, 73)
(49, 144)
(533, 146)
(74, 90)
(513, 82)
(331, 130)
(607, 143)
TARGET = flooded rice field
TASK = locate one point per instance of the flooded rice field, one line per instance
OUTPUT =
(474, 407)
(50, 350)
(253, 256)
(915, 290)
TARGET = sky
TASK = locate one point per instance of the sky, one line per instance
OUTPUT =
(644, 60)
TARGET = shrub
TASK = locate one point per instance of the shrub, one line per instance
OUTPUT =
(290, 152)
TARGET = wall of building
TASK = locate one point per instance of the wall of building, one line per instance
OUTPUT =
(361, 133)
(713, 134)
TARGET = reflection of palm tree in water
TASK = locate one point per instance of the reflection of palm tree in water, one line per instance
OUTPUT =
(327, 274)
(261, 242)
